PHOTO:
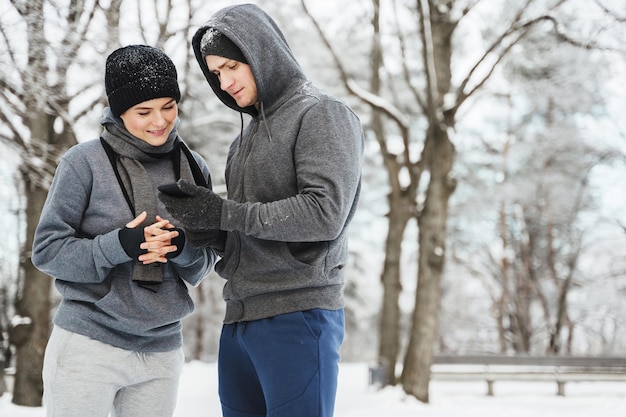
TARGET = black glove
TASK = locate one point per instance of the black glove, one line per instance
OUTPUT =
(202, 210)
(131, 239)
(215, 239)
(178, 241)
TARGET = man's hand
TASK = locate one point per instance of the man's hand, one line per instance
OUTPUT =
(201, 211)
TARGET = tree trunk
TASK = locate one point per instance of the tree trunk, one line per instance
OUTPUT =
(389, 334)
(401, 207)
(521, 319)
(502, 300)
(432, 249)
(437, 27)
(199, 324)
(30, 334)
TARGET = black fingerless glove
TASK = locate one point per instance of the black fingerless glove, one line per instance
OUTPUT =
(178, 241)
(130, 240)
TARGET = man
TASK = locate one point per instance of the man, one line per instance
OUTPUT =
(293, 177)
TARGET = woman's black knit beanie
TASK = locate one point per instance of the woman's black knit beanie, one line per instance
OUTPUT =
(137, 73)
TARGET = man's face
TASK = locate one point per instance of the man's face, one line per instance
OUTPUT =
(235, 78)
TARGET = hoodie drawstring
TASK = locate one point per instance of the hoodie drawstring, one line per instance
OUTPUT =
(240, 128)
(269, 134)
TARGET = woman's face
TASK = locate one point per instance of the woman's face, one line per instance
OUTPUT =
(151, 121)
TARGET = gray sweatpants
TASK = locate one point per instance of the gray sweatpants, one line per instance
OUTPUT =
(83, 377)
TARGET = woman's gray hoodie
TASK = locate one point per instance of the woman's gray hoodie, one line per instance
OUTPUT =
(76, 242)
(293, 179)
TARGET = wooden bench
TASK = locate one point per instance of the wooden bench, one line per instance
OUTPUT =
(560, 369)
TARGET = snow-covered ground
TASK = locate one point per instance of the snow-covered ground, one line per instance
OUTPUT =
(198, 398)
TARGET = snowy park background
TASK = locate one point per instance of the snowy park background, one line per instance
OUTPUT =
(355, 398)
(523, 144)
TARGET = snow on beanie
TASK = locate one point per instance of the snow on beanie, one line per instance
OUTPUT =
(215, 42)
(137, 73)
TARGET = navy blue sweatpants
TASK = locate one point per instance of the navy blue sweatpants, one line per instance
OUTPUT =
(283, 366)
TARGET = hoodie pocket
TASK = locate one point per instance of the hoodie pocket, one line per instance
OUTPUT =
(140, 311)
(265, 266)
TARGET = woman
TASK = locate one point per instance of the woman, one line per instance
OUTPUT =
(119, 263)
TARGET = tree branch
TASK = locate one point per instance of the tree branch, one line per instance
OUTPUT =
(405, 68)
(376, 102)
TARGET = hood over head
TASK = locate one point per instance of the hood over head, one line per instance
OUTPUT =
(264, 48)
(213, 42)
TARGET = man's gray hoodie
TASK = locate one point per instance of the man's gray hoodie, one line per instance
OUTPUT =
(293, 179)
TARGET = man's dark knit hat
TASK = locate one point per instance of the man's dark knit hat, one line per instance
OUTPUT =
(137, 73)
(214, 42)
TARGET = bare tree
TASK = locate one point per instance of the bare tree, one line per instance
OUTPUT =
(402, 197)
(39, 102)
(436, 101)
(42, 105)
